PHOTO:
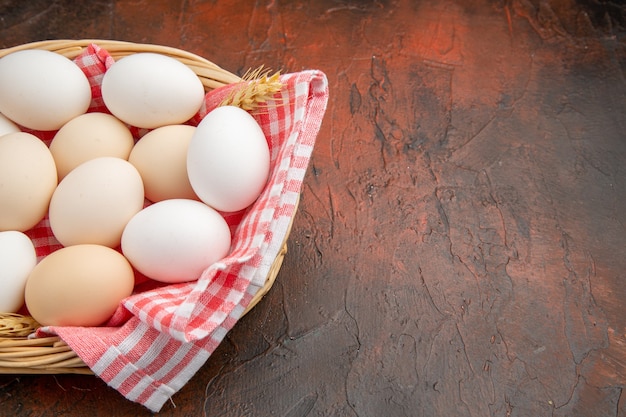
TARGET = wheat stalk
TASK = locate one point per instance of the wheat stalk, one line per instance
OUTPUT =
(16, 325)
(257, 87)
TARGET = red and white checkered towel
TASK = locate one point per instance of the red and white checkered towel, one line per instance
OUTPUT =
(160, 337)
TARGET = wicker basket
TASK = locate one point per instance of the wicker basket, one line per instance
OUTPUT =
(20, 355)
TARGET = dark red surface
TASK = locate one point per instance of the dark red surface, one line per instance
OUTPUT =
(460, 247)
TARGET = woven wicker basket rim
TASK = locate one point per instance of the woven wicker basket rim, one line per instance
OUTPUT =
(211, 74)
(51, 355)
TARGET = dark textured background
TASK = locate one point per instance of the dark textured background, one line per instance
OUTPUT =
(460, 245)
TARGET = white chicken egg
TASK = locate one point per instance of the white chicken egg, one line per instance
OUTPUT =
(150, 90)
(175, 240)
(42, 90)
(228, 159)
(17, 260)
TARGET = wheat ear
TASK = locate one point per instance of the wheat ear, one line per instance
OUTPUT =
(257, 87)
(16, 325)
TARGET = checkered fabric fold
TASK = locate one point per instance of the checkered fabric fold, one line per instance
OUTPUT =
(160, 336)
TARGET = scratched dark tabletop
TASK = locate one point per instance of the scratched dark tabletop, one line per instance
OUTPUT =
(460, 246)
